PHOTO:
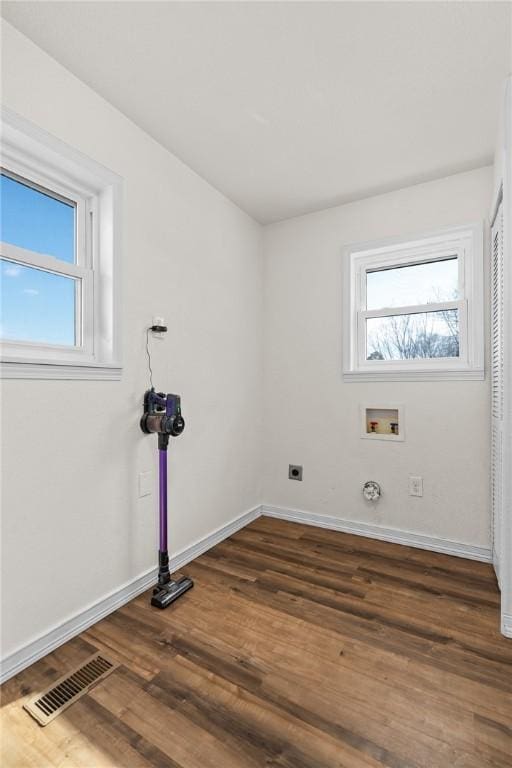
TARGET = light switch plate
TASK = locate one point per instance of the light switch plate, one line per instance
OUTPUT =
(145, 484)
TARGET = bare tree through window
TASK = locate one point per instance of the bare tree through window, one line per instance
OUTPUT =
(412, 336)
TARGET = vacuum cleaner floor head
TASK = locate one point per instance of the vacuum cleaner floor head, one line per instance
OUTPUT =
(164, 596)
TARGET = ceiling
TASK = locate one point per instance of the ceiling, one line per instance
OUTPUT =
(292, 107)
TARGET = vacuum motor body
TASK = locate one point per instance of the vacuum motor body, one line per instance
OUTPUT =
(162, 414)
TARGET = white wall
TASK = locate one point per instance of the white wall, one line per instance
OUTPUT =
(312, 416)
(73, 527)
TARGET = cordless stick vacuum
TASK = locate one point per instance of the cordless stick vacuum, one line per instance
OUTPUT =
(162, 415)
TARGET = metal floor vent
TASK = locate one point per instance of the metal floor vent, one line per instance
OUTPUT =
(46, 706)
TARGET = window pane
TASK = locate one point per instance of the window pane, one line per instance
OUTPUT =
(36, 306)
(30, 219)
(414, 284)
(406, 337)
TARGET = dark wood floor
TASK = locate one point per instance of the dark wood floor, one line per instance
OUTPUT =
(297, 648)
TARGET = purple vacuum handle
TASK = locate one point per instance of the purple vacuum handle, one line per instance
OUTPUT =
(162, 480)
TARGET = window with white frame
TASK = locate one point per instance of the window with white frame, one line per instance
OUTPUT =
(59, 270)
(413, 308)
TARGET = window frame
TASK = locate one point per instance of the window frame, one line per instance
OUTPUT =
(463, 242)
(39, 160)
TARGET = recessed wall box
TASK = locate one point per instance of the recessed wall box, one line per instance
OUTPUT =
(383, 422)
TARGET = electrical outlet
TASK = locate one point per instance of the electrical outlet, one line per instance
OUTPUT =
(145, 484)
(295, 471)
(415, 485)
(158, 321)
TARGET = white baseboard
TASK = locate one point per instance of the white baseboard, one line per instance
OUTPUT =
(50, 640)
(47, 642)
(506, 624)
(394, 535)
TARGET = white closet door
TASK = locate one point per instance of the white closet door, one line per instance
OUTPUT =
(497, 338)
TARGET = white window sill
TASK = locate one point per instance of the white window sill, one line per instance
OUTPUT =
(64, 371)
(418, 374)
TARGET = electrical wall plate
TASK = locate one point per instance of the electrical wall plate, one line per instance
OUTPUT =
(295, 471)
(158, 321)
(145, 484)
(415, 485)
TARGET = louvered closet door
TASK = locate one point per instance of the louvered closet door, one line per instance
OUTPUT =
(497, 387)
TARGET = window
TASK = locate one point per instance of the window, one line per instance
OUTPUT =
(59, 235)
(413, 308)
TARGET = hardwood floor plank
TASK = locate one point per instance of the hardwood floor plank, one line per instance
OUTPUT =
(320, 697)
(297, 648)
(278, 730)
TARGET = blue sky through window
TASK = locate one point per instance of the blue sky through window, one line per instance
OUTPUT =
(36, 306)
(35, 221)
